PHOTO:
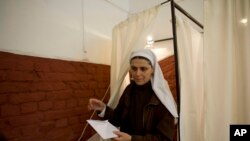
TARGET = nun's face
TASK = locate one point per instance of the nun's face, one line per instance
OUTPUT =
(141, 71)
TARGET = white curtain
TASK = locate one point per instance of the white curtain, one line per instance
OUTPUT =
(190, 55)
(227, 66)
(127, 36)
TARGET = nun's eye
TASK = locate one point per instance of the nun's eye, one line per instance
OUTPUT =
(143, 68)
(133, 68)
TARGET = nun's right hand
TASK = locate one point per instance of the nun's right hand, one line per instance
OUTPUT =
(96, 104)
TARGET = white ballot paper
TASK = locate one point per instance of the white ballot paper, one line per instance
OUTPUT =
(103, 128)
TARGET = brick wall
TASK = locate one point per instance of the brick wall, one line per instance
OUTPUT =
(46, 99)
(168, 68)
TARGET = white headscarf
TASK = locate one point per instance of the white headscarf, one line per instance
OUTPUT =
(159, 84)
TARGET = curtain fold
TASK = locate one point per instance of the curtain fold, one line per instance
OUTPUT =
(127, 36)
(227, 67)
(190, 55)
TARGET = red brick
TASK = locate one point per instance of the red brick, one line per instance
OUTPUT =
(73, 85)
(106, 78)
(59, 95)
(62, 122)
(92, 84)
(73, 137)
(32, 137)
(42, 86)
(99, 77)
(84, 85)
(26, 97)
(45, 105)
(24, 63)
(59, 134)
(85, 117)
(103, 69)
(82, 101)
(10, 110)
(58, 105)
(61, 66)
(73, 120)
(99, 93)
(54, 115)
(8, 63)
(71, 103)
(79, 111)
(3, 98)
(26, 119)
(30, 130)
(29, 107)
(102, 85)
(59, 76)
(42, 65)
(21, 76)
(11, 133)
(78, 128)
(45, 127)
(89, 133)
(4, 123)
(91, 69)
(58, 86)
(87, 93)
(79, 67)
(2, 75)
(10, 87)
(91, 77)
(82, 77)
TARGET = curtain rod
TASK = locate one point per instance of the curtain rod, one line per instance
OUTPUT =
(161, 40)
(185, 13)
(188, 15)
(165, 2)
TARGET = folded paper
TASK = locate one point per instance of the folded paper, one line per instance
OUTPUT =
(103, 128)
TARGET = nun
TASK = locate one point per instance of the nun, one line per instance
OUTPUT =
(146, 110)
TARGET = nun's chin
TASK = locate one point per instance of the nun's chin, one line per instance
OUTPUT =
(140, 83)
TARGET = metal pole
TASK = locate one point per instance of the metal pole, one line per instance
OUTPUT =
(176, 62)
(188, 15)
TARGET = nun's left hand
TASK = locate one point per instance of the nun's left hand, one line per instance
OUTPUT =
(121, 136)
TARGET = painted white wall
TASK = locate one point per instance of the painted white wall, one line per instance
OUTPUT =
(163, 49)
(54, 28)
(100, 16)
(43, 28)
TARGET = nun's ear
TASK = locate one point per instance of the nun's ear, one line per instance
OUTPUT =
(152, 73)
